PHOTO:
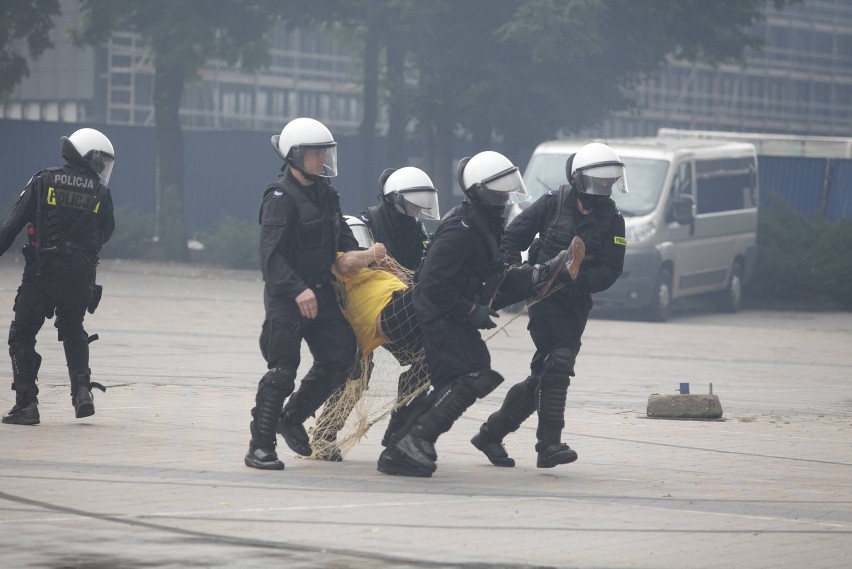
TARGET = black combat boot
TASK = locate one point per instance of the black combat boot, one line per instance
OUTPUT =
(84, 403)
(294, 433)
(554, 454)
(316, 387)
(263, 458)
(395, 462)
(492, 448)
(325, 446)
(25, 412)
(330, 453)
(517, 407)
(544, 274)
(81, 394)
(331, 421)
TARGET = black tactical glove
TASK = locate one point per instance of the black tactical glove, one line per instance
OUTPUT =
(480, 319)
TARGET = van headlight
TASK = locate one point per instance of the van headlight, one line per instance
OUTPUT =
(638, 232)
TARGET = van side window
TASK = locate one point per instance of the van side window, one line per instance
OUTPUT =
(681, 183)
(726, 184)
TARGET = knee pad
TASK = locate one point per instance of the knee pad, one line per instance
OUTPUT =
(279, 379)
(21, 335)
(482, 382)
(560, 365)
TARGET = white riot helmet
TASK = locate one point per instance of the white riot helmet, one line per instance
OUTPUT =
(360, 230)
(308, 146)
(411, 192)
(491, 179)
(598, 171)
(91, 148)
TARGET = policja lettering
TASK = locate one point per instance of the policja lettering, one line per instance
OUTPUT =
(78, 181)
(68, 198)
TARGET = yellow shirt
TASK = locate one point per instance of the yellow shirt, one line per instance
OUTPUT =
(362, 297)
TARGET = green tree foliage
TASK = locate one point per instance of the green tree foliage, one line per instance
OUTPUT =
(527, 69)
(24, 24)
(233, 243)
(182, 37)
(132, 235)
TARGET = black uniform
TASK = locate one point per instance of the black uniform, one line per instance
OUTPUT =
(447, 295)
(402, 235)
(59, 277)
(558, 320)
(302, 230)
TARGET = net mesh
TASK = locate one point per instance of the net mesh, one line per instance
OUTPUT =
(384, 381)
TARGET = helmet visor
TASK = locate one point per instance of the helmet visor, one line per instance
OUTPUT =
(602, 179)
(316, 159)
(504, 188)
(421, 203)
(101, 163)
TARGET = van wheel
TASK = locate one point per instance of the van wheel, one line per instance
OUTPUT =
(730, 299)
(661, 299)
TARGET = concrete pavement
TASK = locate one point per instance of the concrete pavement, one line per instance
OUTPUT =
(155, 478)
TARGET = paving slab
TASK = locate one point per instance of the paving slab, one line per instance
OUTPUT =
(155, 478)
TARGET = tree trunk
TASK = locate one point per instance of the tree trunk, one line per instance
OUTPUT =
(397, 113)
(445, 177)
(368, 178)
(168, 92)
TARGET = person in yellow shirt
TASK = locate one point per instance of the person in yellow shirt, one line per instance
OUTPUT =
(377, 302)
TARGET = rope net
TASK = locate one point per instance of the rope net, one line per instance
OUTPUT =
(386, 379)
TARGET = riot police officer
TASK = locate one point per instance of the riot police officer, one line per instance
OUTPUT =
(301, 231)
(70, 215)
(583, 209)
(408, 195)
(451, 310)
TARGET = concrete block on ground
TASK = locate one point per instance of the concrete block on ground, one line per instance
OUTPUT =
(684, 406)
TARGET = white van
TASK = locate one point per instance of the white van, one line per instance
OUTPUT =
(691, 217)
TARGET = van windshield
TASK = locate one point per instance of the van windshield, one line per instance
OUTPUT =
(645, 179)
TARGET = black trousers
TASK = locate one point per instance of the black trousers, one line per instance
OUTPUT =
(64, 287)
(453, 348)
(557, 321)
(329, 336)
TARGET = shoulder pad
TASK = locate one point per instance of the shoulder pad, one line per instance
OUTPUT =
(273, 191)
(461, 221)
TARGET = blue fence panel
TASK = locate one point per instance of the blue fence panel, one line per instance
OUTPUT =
(839, 203)
(225, 171)
(798, 181)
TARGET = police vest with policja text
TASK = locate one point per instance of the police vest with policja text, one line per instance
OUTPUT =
(64, 194)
